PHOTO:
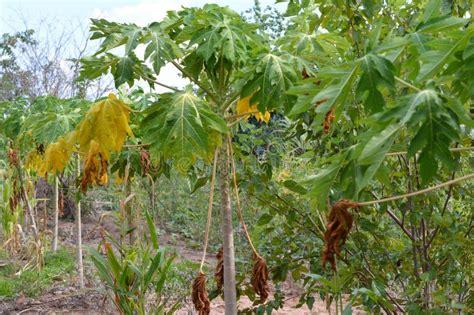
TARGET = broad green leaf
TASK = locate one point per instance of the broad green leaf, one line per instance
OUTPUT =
(335, 95)
(376, 71)
(273, 76)
(182, 127)
(116, 35)
(331, 95)
(431, 10)
(160, 48)
(443, 23)
(321, 182)
(371, 150)
(434, 60)
(295, 187)
(94, 67)
(123, 70)
(217, 32)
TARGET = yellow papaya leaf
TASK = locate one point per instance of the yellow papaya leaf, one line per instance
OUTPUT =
(57, 154)
(243, 106)
(117, 178)
(106, 123)
(95, 171)
(34, 162)
(263, 117)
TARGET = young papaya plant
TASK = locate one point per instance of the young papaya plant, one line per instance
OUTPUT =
(225, 59)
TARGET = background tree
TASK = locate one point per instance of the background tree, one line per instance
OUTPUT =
(43, 61)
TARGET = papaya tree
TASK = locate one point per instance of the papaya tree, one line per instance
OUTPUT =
(52, 118)
(225, 59)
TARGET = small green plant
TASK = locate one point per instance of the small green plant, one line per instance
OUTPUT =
(135, 273)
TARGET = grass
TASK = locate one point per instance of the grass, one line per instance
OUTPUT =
(57, 267)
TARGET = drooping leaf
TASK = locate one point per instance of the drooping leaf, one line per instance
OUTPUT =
(57, 154)
(321, 182)
(434, 60)
(332, 94)
(441, 23)
(160, 48)
(102, 131)
(107, 123)
(243, 106)
(95, 167)
(376, 71)
(123, 70)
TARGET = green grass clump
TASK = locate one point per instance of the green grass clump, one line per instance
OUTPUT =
(57, 267)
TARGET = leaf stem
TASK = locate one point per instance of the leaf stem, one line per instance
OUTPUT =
(237, 197)
(419, 192)
(162, 84)
(230, 100)
(242, 115)
(209, 211)
(190, 77)
(407, 84)
(451, 149)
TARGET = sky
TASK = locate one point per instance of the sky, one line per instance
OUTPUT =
(19, 15)
(12, 12)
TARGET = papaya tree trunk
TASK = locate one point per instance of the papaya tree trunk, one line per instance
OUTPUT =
(230, 295)
(80, 266)
(54, 246)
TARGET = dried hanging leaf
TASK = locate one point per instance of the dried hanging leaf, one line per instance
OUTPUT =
(337, 229)
(15, 196)
(243, 106)
(13, 157)
(102, 131)
(219, 274)
(259, 278)
(328, 119)
(95, 171)
(145, 161)
(200, 297)
(61, 203)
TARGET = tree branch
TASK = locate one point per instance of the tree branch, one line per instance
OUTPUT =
(419, 192)
(190, 77)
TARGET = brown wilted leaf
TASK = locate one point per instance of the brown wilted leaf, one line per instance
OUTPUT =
(145, 162)
(95, 171)
(219, 274)
(328, 119)
(13, 157)
(200, 297)
(338, 227)
(61, 203)
(259, 278)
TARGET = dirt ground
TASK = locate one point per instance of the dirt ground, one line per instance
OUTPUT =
(67, 299)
